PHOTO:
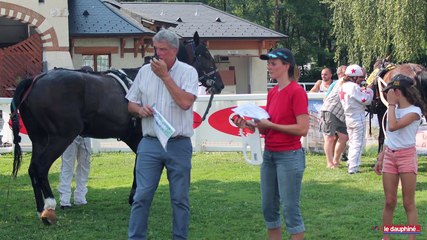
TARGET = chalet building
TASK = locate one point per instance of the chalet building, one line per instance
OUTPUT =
(38, 35)
(102, 36)
(34, 36)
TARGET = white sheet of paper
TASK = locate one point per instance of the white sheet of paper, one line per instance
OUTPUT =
(251, 110)
(164, 130)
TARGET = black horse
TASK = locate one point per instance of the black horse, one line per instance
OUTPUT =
(61, 104)
(383, 72)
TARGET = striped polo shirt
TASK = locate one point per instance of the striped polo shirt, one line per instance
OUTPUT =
(149, 89)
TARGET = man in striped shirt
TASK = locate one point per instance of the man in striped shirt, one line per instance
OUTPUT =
(171, 87)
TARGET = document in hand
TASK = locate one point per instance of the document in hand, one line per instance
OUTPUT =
(251, 110)
(164, 130)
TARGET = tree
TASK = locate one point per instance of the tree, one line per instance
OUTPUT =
(366, 30)
(305, 22)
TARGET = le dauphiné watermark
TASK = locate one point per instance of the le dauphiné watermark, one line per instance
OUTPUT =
(398, 229)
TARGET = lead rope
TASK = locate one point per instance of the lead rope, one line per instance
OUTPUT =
(193, 49)
(208, 107)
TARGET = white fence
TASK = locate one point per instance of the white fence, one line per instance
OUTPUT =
(216, 133)
(305, 85)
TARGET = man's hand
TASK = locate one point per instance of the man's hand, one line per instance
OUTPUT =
(145, 111)
(159, 67)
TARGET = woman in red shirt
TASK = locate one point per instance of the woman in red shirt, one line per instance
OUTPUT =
(284, 158)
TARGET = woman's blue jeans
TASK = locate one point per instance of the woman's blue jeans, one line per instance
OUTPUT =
(281, 180)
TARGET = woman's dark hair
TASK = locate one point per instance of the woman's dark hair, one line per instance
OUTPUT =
(293, 71)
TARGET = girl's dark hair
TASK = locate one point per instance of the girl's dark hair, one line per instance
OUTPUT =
(414, 97)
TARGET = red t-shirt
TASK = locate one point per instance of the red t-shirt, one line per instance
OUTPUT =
(283, 107)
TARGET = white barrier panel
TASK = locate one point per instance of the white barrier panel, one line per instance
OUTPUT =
(216, 133)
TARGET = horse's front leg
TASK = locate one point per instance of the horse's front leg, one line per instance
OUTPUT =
(132, 192)
(133, 142)
(133, 189)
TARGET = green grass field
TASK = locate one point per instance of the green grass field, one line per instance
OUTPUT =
(225, 201)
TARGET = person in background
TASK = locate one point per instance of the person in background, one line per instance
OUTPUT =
(398, 160)
(341, 71)
(283, 163)
(323, 84)
(333, 126)
(78, 151)
(170, 87)
(340, 75)
(354, 100)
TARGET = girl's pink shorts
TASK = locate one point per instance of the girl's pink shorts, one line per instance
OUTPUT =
(400, 161)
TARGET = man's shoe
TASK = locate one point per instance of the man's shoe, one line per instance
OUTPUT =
(344, 158)
(65, 207)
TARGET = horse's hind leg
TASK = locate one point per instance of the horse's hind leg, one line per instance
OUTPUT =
(45, 200)
(45, 205)
(39, 169)
(32, 172)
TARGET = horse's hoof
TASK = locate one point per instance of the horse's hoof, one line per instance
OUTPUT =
(48, 216)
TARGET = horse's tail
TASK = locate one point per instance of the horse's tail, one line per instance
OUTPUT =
(14, 116)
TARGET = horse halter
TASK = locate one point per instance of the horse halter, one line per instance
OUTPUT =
(207, 79)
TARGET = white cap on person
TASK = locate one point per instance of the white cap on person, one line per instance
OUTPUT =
(354, 70)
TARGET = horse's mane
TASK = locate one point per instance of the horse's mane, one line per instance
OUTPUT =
(182, 53)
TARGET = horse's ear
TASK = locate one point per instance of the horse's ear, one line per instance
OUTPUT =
(196, 38)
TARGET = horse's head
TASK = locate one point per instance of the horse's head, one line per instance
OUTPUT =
(382, 62)
(384, 71)
(202, 60)
(381, 67)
